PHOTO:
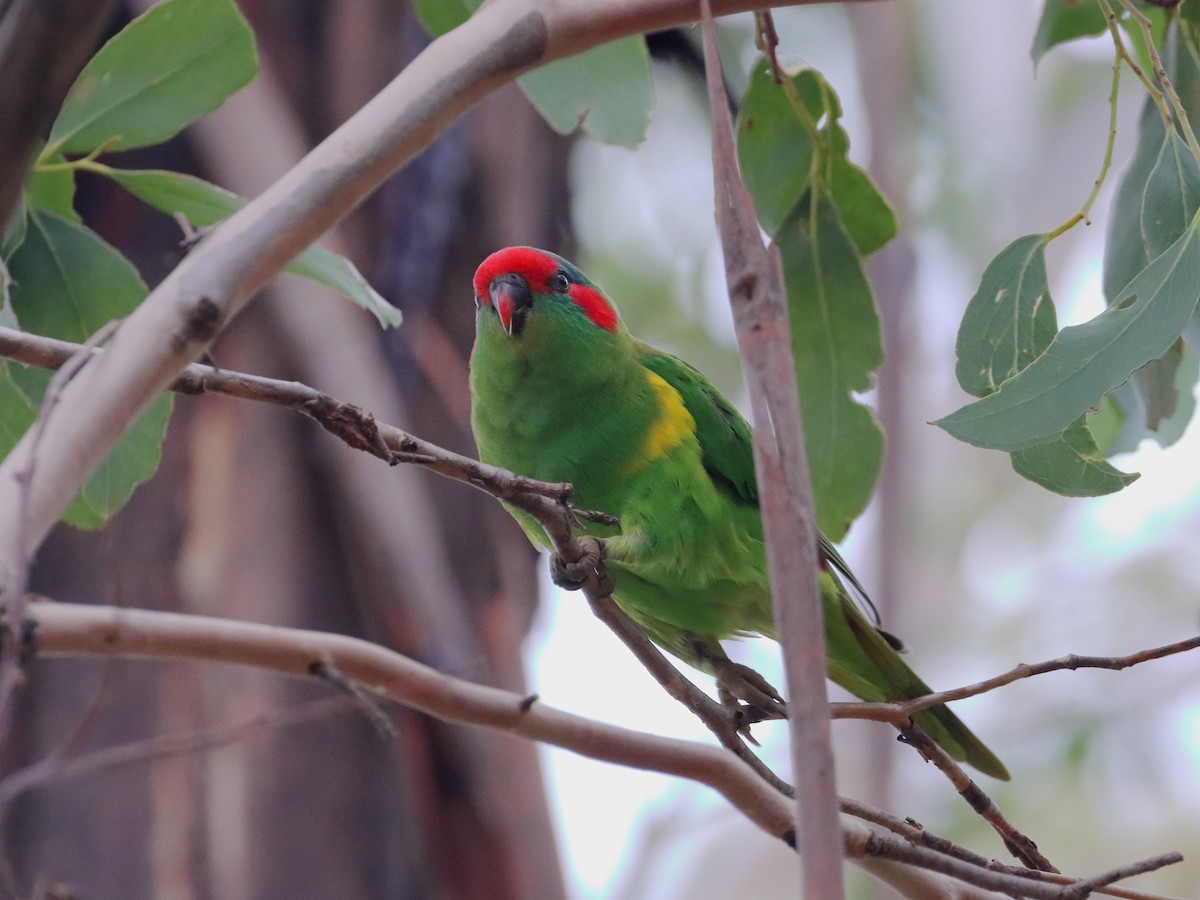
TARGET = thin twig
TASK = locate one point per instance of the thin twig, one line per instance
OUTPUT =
(900, 710)
(1018, 844)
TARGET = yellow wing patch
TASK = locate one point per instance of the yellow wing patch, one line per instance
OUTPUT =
(673, 425)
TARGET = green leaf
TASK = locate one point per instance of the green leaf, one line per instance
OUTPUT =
(868, 217)
(1009, 321)
(14, 229)
(16, 413)
(1140, 420)
(780, 130)
(775, 149)
(164, 70)
(1134, 225)
(134, 458)
(1171, 197)
(440, 16)
(607, 91)
(1125, 250)
(68, 281)
(836, 340)
(1084, 362)
(53, 191)
(1065, 20)
(1156, 388)
(204, 204)
(339, 274)
(1071, 465)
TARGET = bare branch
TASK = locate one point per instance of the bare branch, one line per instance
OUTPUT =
(69, 629)
(1020, 846)
(900, 710)
(64, 629)
(756, 294)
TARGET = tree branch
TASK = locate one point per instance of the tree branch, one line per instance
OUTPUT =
(899, 711)
(66, 629)
(756, 295)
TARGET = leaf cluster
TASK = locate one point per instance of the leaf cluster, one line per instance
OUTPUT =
(59, 278)
(1062, 401)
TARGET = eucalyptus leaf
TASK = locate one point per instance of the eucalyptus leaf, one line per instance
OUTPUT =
(1157, 385)
(1171, 197)
(16, 413)
(133, 459)
(836, 340)
(1084, 362)
(1066, 20)
(165, 69)
(775, 149)
(204, 204)
(52, 190)
(606, 91)
(1009, 321)
(68, 284)
(1071, 465)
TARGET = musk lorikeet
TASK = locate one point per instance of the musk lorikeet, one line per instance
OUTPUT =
(562, 392)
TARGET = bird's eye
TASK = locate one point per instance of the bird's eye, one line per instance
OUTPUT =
(558, 283)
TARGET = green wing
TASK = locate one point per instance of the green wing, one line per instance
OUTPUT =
(724, 436)
(726, 444)
(862, 658)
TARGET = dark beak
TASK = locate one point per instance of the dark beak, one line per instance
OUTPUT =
(512, 300)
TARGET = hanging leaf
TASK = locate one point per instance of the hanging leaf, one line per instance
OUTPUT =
(68, 283)
(165, 69)
(775, 148)
(836, 341)
(1171, 197)
(1084, 362)
(606, 91)
(1009, 321)
(1066, 20)
(1071, 465)
(204, 204)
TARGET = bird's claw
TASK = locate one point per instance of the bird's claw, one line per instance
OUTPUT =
(748, 696)
(572, 576)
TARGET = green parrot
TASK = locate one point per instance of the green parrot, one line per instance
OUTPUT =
(561, 391)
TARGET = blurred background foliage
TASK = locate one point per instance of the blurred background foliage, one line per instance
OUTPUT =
(257, 516)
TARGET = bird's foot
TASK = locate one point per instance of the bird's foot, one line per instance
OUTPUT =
(571, 576)
(748, 695)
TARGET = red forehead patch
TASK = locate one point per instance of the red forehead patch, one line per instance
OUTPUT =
(537, 267)
(534, 265)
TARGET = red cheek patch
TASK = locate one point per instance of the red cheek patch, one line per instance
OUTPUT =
(592, 302)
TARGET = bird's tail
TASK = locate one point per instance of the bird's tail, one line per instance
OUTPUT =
(863, 662)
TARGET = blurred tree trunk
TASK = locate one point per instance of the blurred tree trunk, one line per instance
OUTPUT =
(885, 48)
(256, 514)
